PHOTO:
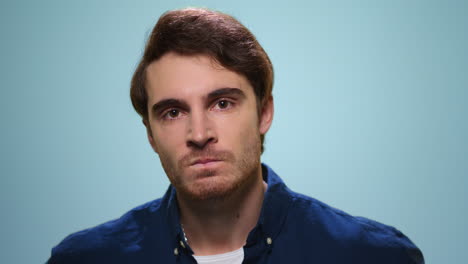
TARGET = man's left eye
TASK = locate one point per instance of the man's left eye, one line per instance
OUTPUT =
(223, 104)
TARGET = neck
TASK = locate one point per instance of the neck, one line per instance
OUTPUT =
(219, 226)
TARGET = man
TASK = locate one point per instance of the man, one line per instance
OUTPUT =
(203, 88)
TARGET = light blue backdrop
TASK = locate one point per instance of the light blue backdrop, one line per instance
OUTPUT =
(371, 114)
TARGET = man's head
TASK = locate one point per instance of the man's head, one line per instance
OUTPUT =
(203, 89)
(194, 31)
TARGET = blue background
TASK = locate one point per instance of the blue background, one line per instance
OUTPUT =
(371, 114)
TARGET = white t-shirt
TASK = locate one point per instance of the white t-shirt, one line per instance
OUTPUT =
(233, 257)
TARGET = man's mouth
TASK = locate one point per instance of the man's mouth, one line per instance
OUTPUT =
(208, 159)
(203, 161)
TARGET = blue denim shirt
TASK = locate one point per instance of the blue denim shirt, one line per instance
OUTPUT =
(292, 228)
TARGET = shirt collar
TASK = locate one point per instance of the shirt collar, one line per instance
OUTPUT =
(273, 213)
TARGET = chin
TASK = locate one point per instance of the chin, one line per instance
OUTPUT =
(210, 188)
(218, 181)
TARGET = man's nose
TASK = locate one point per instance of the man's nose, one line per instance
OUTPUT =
(200, 130)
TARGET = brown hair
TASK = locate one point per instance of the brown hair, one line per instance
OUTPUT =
(194, 31)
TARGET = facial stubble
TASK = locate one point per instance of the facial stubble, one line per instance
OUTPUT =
(216, 184)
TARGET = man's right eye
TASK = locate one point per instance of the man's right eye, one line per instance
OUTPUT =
(172, 114)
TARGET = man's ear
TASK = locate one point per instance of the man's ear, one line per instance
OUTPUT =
(149, 134)
(266, 116)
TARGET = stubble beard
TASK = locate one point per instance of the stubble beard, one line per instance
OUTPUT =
(240, 172)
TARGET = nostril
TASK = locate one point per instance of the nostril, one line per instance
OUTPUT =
(200, 144)
(200, 131)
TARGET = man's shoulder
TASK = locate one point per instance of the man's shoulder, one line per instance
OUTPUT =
(335, 229)
(335, 221)
(109, 237)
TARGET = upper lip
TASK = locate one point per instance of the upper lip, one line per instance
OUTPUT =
(204, 160)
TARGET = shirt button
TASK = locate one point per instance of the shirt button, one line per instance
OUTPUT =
(176, 251)
(269, 241)
(182, 244)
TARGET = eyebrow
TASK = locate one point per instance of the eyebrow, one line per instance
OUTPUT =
(166, 103)
(171, 102)
(226, 92)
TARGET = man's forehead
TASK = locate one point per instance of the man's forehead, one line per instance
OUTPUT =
(178, 76)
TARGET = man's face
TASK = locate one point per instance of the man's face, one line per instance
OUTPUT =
(204, 124)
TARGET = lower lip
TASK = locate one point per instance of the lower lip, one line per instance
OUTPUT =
(209, 164)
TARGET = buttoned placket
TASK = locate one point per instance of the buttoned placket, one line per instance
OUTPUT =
(182, 251)
(259, 243)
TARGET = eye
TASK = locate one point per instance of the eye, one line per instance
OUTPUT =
(172, 114)
(223, 104)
